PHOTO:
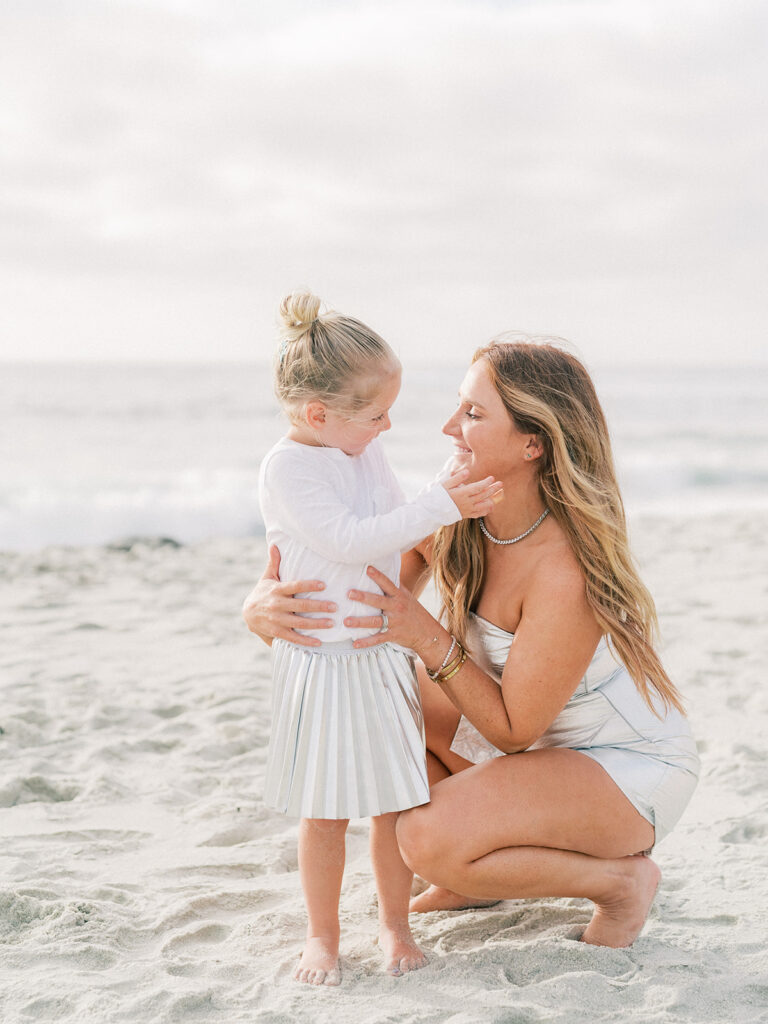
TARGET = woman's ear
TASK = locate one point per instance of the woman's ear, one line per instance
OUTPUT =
(314, 414)
(534, 449)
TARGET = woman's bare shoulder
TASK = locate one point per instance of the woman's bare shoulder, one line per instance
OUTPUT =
(557, 573)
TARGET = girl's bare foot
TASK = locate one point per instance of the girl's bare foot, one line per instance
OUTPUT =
(619, 919)
(401, 954)
(319, 964)
(435, 898)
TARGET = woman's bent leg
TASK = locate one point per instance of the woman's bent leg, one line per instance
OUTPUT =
(393, 886)
(441, 720)
(540, 823)
(321, 868)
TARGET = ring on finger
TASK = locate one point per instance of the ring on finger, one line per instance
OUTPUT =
(384, 623)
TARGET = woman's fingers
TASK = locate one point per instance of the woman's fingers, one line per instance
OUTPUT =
(272, 570)
(374, 600)
(291, 587)
(298, 638)
(381, 580)
(291, 622)
(364, 621)
(307, 605)
(371, 641)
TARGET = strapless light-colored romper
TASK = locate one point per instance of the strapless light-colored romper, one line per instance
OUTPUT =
(652, 760)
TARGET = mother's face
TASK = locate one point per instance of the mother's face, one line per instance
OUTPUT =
(485, 438)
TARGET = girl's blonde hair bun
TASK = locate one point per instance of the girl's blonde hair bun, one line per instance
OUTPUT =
(331, 357)
(298, 311)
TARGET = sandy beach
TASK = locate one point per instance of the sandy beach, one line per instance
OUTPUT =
(143, 881)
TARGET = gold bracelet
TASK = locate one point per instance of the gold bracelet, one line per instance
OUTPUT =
(440, 673)
(452, 673)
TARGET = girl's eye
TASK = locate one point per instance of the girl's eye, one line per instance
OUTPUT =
(379, 418)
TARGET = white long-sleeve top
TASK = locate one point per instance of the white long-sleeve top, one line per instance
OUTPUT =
(332, 515)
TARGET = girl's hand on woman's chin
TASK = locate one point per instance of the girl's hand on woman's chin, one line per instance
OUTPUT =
(408, 621)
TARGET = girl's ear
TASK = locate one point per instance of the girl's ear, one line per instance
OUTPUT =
(314, 413)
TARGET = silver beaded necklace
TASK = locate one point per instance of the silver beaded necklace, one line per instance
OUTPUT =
(514, 540)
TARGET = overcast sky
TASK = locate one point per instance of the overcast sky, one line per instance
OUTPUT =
(444, 170)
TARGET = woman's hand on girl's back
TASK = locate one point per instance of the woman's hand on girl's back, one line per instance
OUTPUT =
(408, 621)
(272, 610)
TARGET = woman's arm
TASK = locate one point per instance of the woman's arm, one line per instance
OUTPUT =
(554, 643)
(414, 568)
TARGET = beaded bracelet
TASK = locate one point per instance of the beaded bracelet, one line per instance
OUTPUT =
(447, 658)
(449, 670)
(433, 674)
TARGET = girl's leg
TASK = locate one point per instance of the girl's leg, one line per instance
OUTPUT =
(540, 823)
(393, 885)
(321, 867)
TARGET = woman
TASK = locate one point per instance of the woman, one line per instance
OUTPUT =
(554, 734)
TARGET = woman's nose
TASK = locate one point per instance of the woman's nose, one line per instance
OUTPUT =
(450, 426)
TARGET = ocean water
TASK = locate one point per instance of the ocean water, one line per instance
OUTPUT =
(95, 453)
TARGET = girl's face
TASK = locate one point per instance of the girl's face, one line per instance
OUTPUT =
(485, 438)
(353, 436)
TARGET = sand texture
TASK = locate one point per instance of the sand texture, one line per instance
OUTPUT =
(143, 881)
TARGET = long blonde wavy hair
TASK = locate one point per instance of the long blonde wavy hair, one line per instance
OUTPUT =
(548, 392)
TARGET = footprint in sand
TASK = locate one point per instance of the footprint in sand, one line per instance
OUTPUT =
(744, 832)
(203, 935)
(36, 789)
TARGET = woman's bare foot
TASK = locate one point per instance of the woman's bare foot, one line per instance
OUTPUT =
(418, 885)
(401, 954)
(619, 919)
(319, 964)
(435, 898)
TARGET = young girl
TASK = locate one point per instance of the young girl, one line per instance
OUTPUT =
(347, 736)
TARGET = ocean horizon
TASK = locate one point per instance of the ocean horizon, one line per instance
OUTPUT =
(93, 453)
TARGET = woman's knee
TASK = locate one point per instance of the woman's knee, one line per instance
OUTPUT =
(419, 837)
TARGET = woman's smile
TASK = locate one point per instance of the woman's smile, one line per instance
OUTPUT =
(481, 429)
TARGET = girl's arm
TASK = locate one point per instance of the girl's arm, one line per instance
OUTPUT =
(307, 506)
(553, 646)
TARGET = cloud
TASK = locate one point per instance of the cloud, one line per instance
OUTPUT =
(444, 152)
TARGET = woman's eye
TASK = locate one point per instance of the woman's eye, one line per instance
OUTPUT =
(471, 415)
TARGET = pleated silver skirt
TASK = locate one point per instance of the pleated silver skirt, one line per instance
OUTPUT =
(347, 738)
